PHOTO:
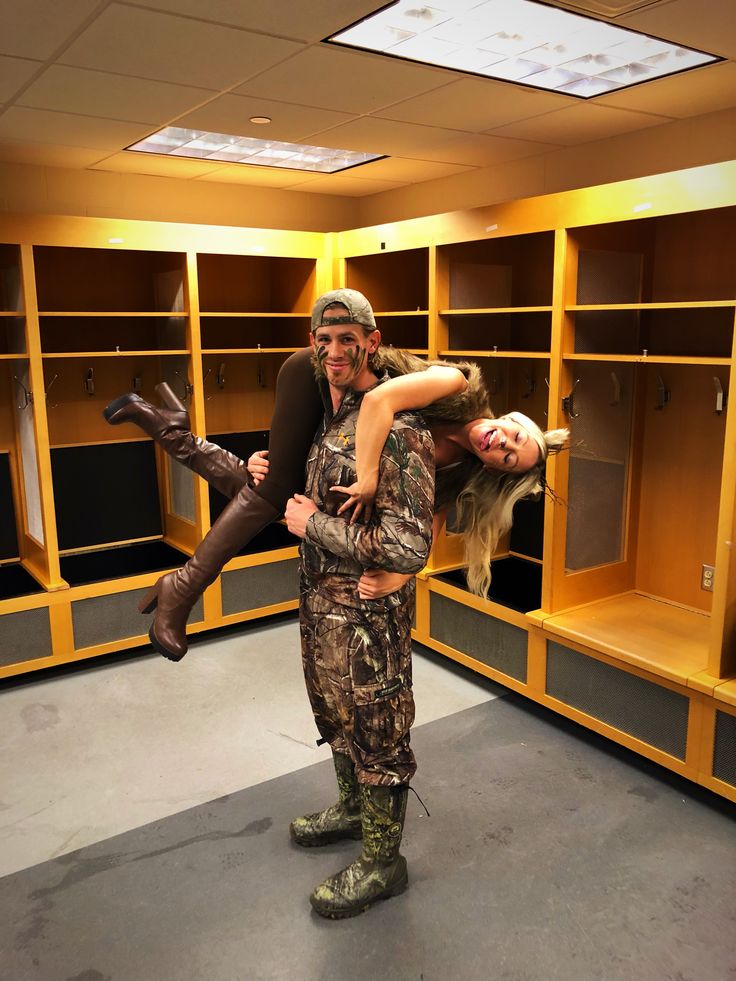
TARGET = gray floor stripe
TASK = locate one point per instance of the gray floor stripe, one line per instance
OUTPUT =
(546, 857)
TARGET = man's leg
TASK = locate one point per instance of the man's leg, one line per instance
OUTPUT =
(366, 665)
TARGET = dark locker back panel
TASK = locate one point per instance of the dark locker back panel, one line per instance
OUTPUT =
(123, 560)
(15, 581)
(242, 445)
(105, 493)
(527, 532)
(8, 529)
(515, 583)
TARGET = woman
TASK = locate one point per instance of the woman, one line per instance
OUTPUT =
(485, 465)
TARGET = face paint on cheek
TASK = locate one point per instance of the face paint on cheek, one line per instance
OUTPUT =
(356, 357)
(320, 353)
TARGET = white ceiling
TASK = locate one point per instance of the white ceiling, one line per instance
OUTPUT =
(82, 79)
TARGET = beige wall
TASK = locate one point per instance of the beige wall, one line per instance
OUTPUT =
(56, 191)
(672, 146)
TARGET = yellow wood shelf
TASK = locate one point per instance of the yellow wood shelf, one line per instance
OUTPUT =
(540, 355)
(647, 359)
(726, 692)
(666, 640)
(675, 305)
(245, 315)
(113, 313)
(13, 357)
(12, 313)
(250, 350)
(401, 313)
(98, 442)
(469, 312)
(113, 354)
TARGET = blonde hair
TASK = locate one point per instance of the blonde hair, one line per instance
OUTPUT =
(485, 499)
(485, 505)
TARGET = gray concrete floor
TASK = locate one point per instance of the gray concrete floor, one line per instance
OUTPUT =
(549, 853)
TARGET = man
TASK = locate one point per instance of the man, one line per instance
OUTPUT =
(357, 653)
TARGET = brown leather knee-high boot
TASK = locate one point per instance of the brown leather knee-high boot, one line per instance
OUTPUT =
(174, 595)
(170, 428)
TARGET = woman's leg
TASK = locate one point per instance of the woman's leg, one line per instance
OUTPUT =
(298, 411)
(170, 428)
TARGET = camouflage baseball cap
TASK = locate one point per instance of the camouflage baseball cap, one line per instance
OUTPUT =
(359, 309)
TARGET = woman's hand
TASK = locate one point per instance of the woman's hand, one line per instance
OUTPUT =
(360, 497)
(258, 465)
(377, 583)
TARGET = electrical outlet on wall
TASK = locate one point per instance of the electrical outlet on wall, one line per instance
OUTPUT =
(707, 576)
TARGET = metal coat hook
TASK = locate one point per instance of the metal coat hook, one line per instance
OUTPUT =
(221, 375)
(544, 411)
(664, 395)
(27, 393)
(721, 397)
(48, 389)
(259, 374)
(530, 386)
(204, 379)
(494, 384)
(137, 384)
(568, 403)
(89, 381)
(188, 387)
(616, 395)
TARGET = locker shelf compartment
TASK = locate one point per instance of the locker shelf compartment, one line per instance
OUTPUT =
(515, 583)
(121, 561)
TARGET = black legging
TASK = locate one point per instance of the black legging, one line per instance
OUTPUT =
(297, 414)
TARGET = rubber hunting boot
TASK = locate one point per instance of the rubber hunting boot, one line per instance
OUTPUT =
(380, 872)
(340, 820)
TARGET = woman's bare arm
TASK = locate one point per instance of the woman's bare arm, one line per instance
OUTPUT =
(377, 411)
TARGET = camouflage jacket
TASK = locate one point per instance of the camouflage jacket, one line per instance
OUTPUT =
(399, 535)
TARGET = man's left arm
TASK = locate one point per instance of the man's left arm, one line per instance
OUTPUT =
(399, 535)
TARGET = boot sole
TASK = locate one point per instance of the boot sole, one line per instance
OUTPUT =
(163, 651)
(329, 914)
(327, 839)
(117, 404)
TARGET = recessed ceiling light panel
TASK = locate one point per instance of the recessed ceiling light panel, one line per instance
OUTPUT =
(175, 141)
(524, 41)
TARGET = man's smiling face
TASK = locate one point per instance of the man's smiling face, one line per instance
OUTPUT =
(343, 350)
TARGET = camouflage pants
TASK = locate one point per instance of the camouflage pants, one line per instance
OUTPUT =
(357, 668)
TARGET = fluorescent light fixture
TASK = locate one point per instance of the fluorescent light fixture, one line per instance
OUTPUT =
(174, 141)
(524, 41)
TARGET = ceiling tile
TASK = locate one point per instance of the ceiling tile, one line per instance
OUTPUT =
(36, 28)
(231, 114)
(94, 93)
(475, 105)
(351, 81)
(14, 73)
(346, 185)
(149, 163)
(39, 126)
(153, 45)
(427, 142)
(49, 155)
(707, 26)
(387, 136)
(410, 171)
(580, 123)
(690, 94)
(480, 150)
(287, 18)
(253, 176)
